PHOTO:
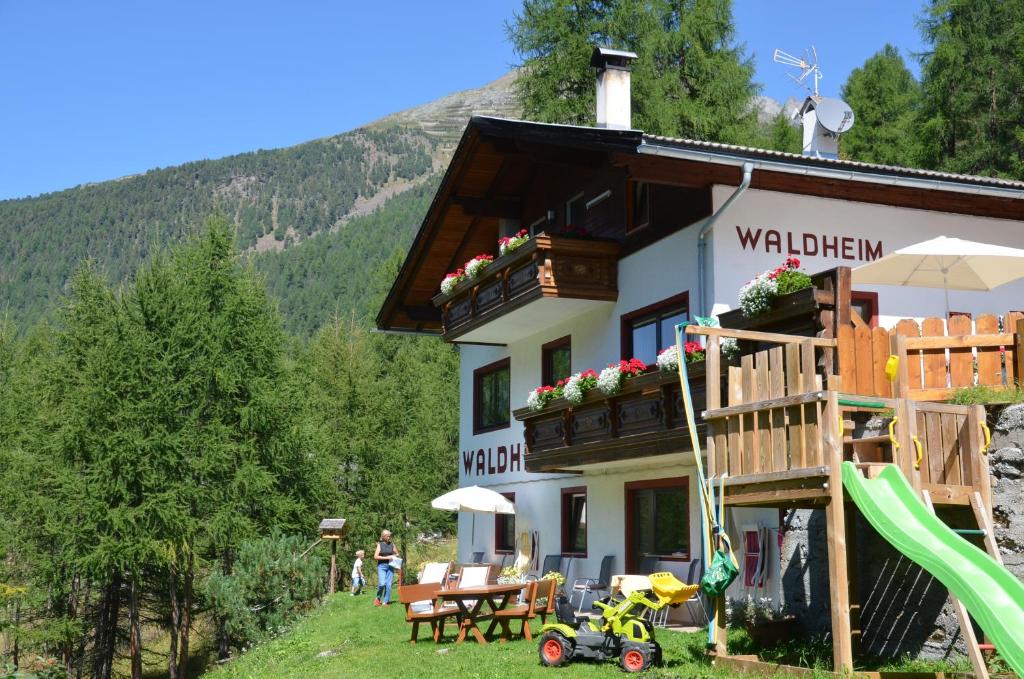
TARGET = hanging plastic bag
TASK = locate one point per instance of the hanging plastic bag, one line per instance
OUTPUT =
(720, 574)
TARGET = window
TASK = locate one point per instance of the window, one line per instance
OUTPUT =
(638, 205)
(657, 520)
(647, 331)
(574, 209)
(865, 305)
(755, 549)
(556, 360)
(574, 521)
(505, 529)
(491, 397)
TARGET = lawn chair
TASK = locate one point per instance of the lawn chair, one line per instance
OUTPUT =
(434, 615)
(598, 584)
(524, 612)
(473, 576)
(552, 562)
(648, 565)
(433, 573)
(478, 557)
(693, 577)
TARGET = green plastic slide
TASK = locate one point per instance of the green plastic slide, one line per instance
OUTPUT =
(991, 594)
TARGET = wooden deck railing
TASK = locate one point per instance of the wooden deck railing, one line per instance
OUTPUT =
(783, 419)
(545, 266)
(932, 363)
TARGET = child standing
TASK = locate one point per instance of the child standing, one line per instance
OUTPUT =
(357, 573)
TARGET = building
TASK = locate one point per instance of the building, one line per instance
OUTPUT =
(632, 233)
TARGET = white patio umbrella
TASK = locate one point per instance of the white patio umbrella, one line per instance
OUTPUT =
(947, 263)
(476, 500)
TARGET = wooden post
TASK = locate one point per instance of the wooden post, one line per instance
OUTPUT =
(852, 569)
(835, 520)
(332, 582)
(1018, 350)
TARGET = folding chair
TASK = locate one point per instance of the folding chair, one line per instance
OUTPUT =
(693, 577)
(478, 557)
(598, 584)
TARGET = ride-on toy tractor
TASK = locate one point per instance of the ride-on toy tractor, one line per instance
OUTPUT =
(618, 633)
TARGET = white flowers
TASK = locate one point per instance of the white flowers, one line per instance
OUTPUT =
(476, 265)
(756, 296)
(668, 359)
(578, 385)
(510, 243)
(610, 380)
(540, 397)
(451, 280)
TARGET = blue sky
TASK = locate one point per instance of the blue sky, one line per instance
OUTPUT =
(95, 91)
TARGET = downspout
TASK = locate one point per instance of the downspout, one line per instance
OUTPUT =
(709, 223)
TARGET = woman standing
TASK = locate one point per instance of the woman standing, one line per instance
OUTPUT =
(385, 552)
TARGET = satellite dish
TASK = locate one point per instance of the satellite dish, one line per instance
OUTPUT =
(834, 115)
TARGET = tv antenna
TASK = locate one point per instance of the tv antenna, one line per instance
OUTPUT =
(808, 66)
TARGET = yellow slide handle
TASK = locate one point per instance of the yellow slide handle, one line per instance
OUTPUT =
(988, 438)
(920, 452)
(892, 434)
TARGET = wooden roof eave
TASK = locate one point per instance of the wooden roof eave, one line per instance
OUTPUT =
(470, 138)
(478, 128)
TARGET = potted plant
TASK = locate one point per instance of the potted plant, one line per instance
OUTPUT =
(759, 294)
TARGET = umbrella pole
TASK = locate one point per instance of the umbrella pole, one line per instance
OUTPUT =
(473, 539)
(945, 289)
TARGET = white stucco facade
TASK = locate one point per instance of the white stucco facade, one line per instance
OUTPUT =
(756, 233)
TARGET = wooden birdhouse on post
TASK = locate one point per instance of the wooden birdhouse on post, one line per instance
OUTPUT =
(333, 530)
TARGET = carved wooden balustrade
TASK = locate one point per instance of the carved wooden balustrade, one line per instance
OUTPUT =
(645, 418)
(543, 267)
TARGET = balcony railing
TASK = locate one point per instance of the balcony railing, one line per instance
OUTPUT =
(645, 418)
(545, 267)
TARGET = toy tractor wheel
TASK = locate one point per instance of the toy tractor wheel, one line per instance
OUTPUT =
(635, 658)
(555, 650)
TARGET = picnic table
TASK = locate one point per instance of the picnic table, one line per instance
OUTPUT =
(471, 602)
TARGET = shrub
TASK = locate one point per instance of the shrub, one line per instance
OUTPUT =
(270, 585)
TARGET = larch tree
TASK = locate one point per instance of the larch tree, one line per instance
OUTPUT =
(886, 99)
(973, 79)
(690, 78)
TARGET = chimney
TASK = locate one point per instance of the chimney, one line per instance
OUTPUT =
(613, 95)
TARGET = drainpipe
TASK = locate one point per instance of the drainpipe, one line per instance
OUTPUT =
(709, 223)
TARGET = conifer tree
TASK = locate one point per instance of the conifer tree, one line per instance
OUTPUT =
(973, 79)
(886, 100)
(690, 79)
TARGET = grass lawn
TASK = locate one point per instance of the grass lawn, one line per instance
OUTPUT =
(348, 637)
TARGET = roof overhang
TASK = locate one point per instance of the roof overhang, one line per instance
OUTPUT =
(462, 219)
(463, 215)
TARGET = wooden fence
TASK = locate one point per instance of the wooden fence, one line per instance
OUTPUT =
(934, 361)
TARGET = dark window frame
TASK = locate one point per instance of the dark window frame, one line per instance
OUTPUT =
(478, 375)
(500, 519)
(871, 298)
(654, 484)
(572, 491)
(658, 308)
(546, 367)
(632, 225)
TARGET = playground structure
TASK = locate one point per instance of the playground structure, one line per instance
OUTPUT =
(789, 432)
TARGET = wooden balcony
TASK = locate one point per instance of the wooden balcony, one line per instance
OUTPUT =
(545, 281)
(644, 419)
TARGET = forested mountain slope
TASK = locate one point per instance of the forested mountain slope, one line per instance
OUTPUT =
(281, 201)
